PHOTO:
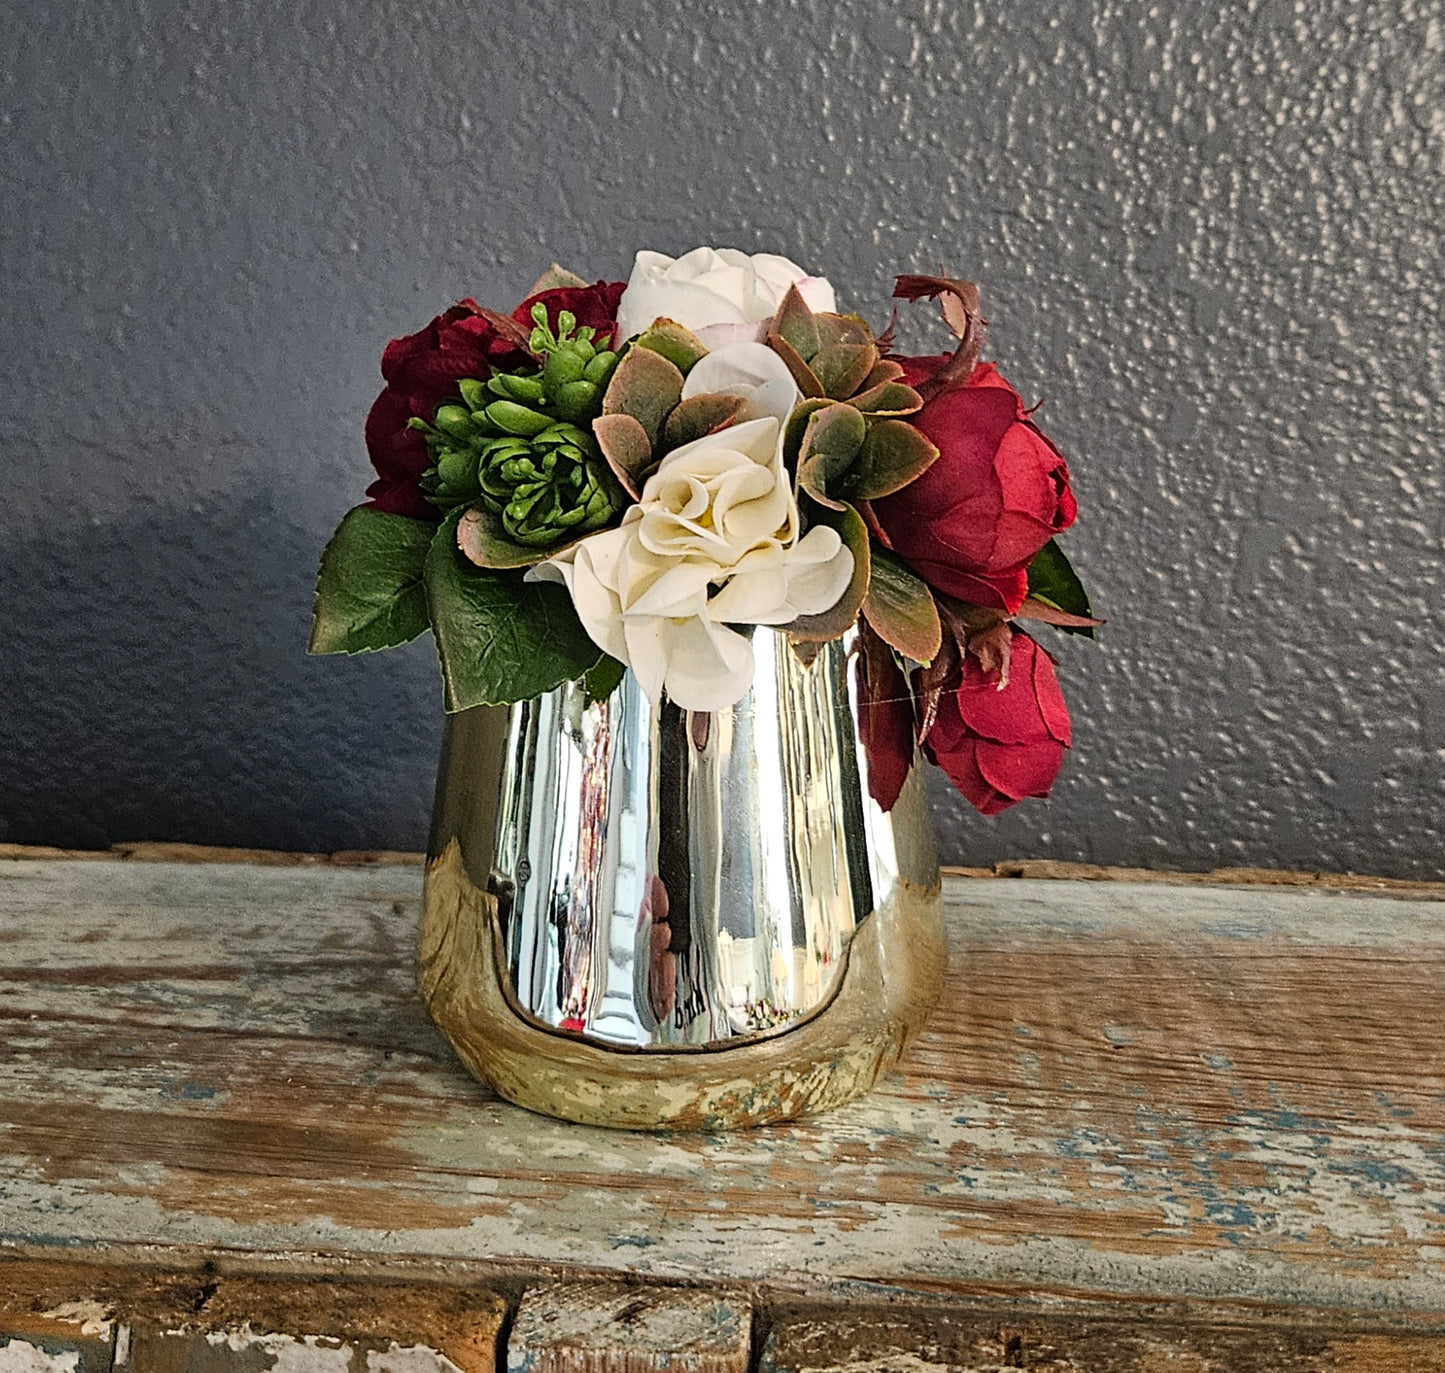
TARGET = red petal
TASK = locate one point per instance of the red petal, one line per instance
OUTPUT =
(885, 722)
(967, 426)
(949, 733)
(1008, 715)
(1020, 770)
(916, 370)
(1052, 706)
(595, 307)
(998, 591)
(986, 374)
(400, 498)
(962, 768)
(956, 503)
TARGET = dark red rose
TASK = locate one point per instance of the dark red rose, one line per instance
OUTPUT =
(1001, 745)
(997, 494)
(421, 371)
(595, 307)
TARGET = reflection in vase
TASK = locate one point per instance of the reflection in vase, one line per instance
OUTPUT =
(674, 878)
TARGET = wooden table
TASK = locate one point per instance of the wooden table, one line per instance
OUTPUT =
(1173, 1108)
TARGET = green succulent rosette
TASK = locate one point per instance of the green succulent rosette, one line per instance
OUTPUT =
(518, 450)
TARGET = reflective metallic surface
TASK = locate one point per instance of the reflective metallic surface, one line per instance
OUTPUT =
(663, 879)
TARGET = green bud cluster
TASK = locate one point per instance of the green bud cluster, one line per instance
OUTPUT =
(576, 371)
(521, 444)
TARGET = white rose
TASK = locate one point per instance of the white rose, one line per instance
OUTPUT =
(720, 294)
(712, 542)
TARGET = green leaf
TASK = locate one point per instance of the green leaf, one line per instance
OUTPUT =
(833, 329)
(836, 621)
(483, 541)
(796, 324)
(554, 278)
(646, 386)
(895, 454)
(796, 426)
(628, 450)
(888, 399)
(841, 367)
(369, 592)
(679, 346)
(603, 678)
(699, 416)
(500, 639)
(901, 609)
(1053, 581)
(830, 444)
(803, 376)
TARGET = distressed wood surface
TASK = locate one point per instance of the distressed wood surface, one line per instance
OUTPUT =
(830, 1340)
(1130, 1092)
(80, 1318)
(602, 1327)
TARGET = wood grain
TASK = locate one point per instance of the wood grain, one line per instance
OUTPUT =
(591, 1327)
(1131, 1092)
(827, 1340)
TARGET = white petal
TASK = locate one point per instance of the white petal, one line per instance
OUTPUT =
(692, 265)
(780, 272)
(756, 439)
(709, 667)
(720, 335)
(751, 598)
(750, 370)
(647, 657)
(550, 571)
(690, 303)
(818, 572)
(817, 293)
(733, 257)
(677, 589)
(596, 603)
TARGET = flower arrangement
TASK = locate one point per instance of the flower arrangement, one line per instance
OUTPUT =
(631, 476)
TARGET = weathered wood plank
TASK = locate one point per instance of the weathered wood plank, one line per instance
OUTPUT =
(827, 1340)
(1132, 1090)
(591, 1327)
(134, 1321)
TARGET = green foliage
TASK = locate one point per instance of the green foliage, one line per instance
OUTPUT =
(837, 620)
(1053, 581)
(500, 639)
(603, 678)
(369, 591)
(901, 609)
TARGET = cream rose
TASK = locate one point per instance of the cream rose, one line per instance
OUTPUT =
(712, 542)
(722, 295)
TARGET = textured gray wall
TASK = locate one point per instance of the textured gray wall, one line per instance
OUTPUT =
(1208, 235)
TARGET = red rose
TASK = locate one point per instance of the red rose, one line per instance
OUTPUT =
(998, 492)
(422, 371)
(1000, 745)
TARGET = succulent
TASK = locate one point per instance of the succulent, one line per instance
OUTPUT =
(836, 357)
(518, 448)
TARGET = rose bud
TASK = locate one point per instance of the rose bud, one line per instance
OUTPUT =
(1001, 743)
(998, 492)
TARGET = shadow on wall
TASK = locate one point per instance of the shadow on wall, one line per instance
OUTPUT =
(158, 687)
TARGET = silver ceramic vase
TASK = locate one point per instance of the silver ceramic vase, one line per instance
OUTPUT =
(642, 916)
